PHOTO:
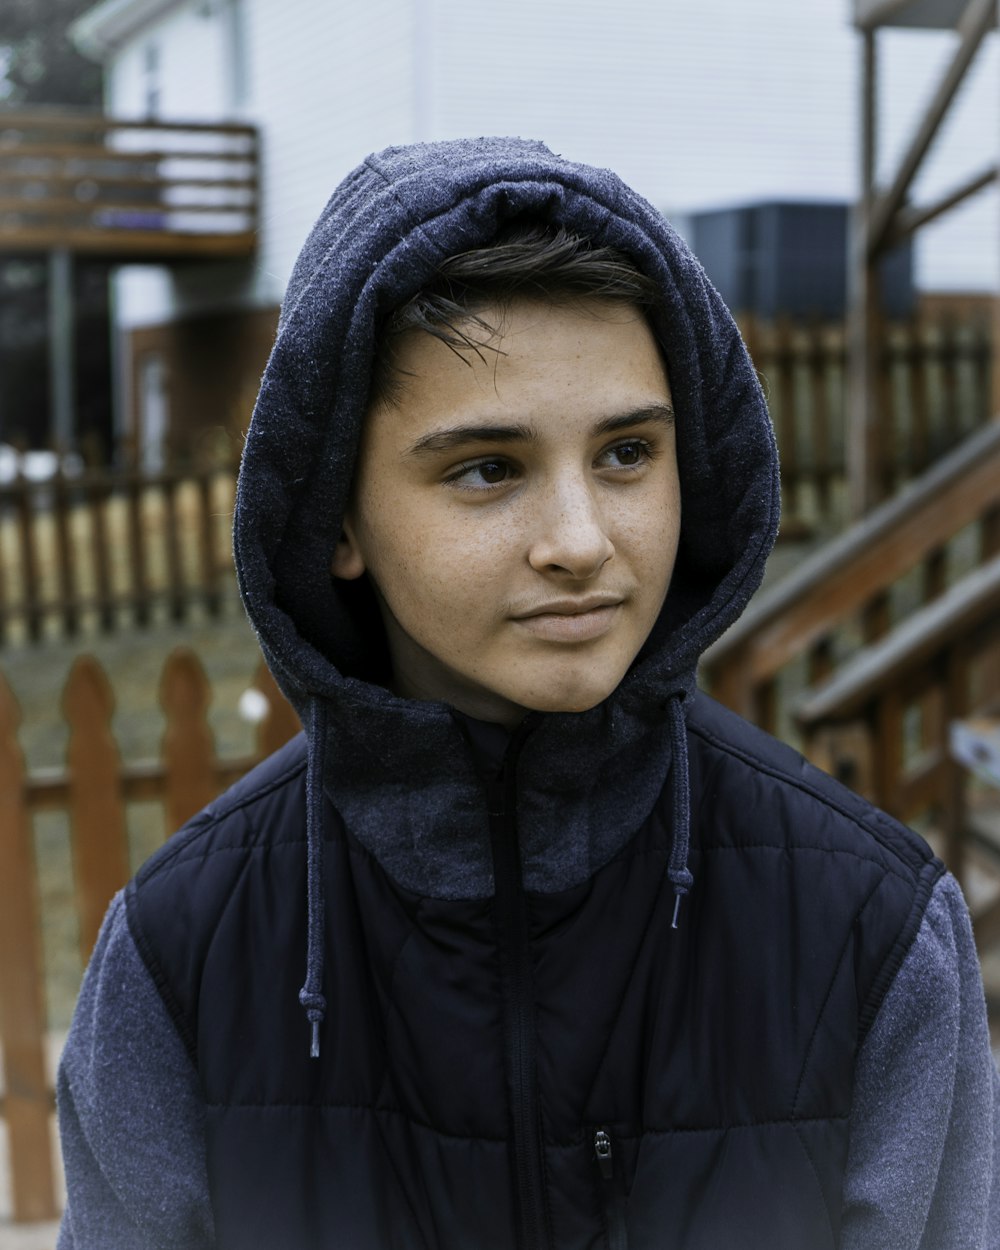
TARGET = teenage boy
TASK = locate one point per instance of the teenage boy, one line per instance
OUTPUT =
(588, 961)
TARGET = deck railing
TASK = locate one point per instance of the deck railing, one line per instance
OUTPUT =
(852, 591)
(145, 189)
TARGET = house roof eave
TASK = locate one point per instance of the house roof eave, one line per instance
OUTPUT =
(100, 31)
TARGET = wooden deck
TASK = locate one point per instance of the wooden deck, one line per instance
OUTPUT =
(141, 191)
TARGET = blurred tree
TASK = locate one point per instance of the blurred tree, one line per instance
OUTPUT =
(38, 64)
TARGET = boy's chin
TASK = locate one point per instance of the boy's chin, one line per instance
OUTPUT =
(568, 701)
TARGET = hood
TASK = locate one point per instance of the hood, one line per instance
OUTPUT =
(378, 240)
(400, 772)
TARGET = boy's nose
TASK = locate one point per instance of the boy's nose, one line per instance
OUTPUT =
(571, 535)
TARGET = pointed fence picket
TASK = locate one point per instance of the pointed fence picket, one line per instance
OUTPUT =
(94, 789)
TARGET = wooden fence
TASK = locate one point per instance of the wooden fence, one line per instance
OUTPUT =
(934, 390)
(113, 544)
(116, 546)
(94, 789)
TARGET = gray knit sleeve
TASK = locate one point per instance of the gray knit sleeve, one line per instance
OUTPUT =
(131, 1116)
(923, 1169)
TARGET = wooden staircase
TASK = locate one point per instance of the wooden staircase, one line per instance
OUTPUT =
(873, 648)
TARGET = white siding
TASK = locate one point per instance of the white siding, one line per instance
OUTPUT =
(697, 105)
(329, 83)
(722, 102)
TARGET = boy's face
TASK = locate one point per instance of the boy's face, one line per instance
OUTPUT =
(518, 512)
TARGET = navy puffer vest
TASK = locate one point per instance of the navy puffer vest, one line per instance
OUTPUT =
(539, 1070)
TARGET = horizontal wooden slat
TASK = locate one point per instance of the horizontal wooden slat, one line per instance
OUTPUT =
(970, 602)
(152, 182)
(839, 579)
(133, 243)
(53, 152)
(62, 207)
(99, 154)
(29, 119)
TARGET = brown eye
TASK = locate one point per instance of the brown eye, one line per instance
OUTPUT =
(492, 471)
(629, 453)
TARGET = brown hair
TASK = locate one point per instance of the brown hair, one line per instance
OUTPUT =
(530, 260)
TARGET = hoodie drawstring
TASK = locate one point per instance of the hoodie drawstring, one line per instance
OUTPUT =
(680, 786)
(311, 995)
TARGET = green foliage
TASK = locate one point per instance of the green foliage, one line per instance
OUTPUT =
(38, 64)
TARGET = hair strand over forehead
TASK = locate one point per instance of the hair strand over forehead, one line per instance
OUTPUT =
(532, 260)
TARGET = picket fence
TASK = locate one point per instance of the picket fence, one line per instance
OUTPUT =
(112, 544)
(94, 789)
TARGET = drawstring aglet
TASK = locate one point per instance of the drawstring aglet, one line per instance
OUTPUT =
(677, 909)
(314, 1044)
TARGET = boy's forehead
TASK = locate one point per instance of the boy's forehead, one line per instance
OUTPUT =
(487, 330)
(526, 363)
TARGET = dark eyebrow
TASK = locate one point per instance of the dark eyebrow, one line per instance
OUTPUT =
(462, 435)
(661, 413)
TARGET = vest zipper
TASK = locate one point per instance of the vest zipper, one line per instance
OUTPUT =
(614, 1212)
(518, 1009)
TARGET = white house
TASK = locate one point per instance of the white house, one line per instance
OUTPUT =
(698, 105)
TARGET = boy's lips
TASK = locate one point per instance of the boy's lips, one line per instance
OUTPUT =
(571, 620)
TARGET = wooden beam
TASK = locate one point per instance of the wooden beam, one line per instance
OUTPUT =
(863, 438)
(877, 14)
(977, 19)
(62, 367)
(973, 601)
(147, 245)
(44, 119)
(842, 575)
(909, 220)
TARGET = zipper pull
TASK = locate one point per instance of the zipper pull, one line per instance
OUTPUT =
(602, 1148)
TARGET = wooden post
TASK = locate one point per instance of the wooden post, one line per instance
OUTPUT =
(188, 745)
(863, 468)
(98, 494)
(954, 813)
(31, 602)
(919, 371)
(27, 1104)
(171, 538)
(139, 593)
(821, 451)
(786, 432)
(64, 552)
(886, 720)
(209, 568)
(62, 368)
(97, 808)
(4, 606)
